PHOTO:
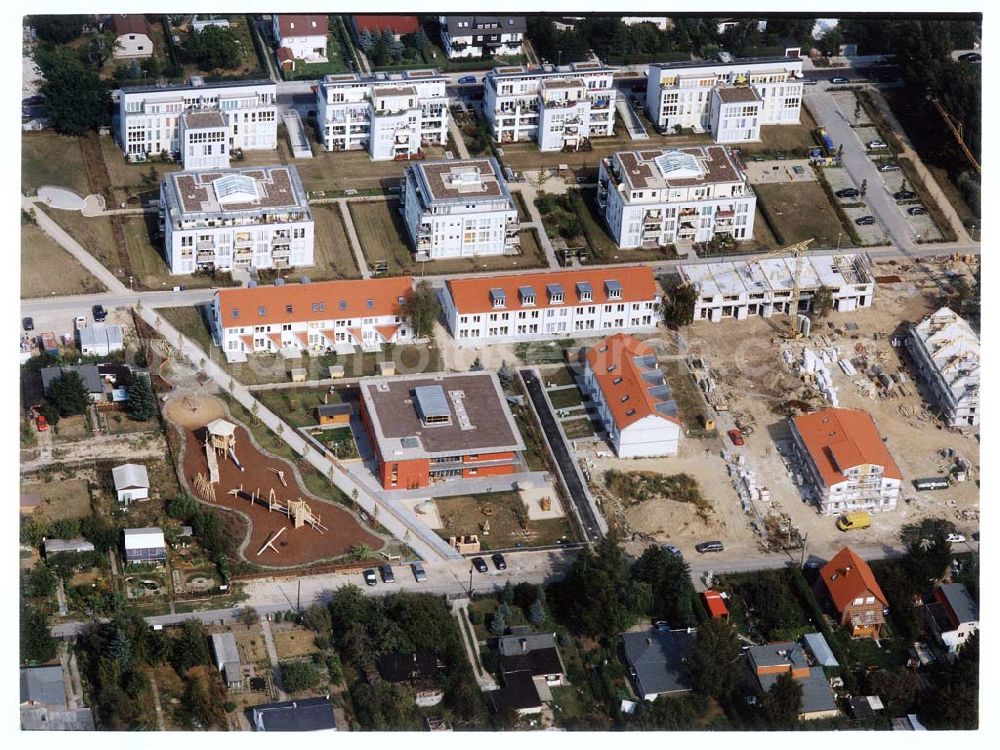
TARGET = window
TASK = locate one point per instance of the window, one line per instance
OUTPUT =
(262, 311)
(235, 313)
(288, 308)
(319, 306)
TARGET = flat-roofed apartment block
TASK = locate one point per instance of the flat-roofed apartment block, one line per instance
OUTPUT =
(389, 115)
(561, 108)
(945, 351)
(149, 117)
(254, 217)
(730, 99)
(845, 463)
(456, 209)
(316, 317)
(525, 307)
(742, 289)
(632, 398)
(479, 36)
(204, 140)
(430, 428)
(660, 197)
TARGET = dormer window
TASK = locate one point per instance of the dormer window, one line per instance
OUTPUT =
(630, 412)
(498, 298)
(617, 381)
(343, 304)
(625, 398)
(235, 313)
(288, 308)
(527, 294)
(370, 303)
(613, 289)
(585, 291)
(318, 306)
(612, 368)
(262, 311)
(556, 294)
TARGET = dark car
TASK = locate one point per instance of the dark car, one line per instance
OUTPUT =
(714, 546)
(865, 221)
(28, 324)
(418, 572)
(839, 81)
(99, 313)
(971, 57)
(848, 193)
(498, 562)
(888, 166)
(916, 211)
(904, 195)
(386, 572)
(467, 79)
(369, 576)
(480, 565)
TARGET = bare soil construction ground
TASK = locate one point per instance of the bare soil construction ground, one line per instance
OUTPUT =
(61, 498)
(507, 517)
(295, 546)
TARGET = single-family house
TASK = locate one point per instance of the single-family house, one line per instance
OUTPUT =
(43, 686)
(420, 669)
(131, 482)
(532, 653)
(772, 660)
(227, 659)
(304, 715)
(145, 545)
(43, 703)
(90, 375)
(304, 36)
(953, 616)
(848, 585)
(133, 36)
(656, 660)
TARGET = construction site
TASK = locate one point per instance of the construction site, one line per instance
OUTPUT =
(288, 527)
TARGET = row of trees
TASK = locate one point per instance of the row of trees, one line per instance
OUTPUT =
(383, 48)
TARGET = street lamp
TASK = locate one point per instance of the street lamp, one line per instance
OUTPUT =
(839, 235)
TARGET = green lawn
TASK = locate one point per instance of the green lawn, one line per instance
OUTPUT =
(47, 269)
(49, 159)
(336, 63)
(565, 398)
(333, 254)
(799, 211)
(297, 406)
(579, 428)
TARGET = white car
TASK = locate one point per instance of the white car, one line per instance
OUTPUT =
(955, 538)
(874, 145)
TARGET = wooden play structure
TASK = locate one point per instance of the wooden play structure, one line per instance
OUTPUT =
(298, 511)
(281, 476)
(204, 487)
(220, 440)
(270, 542)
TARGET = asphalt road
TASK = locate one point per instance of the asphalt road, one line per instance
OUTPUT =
(560, 451)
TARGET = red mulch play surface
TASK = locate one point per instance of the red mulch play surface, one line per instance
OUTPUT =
(295, 546)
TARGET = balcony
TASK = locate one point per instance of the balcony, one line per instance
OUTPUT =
(206, 256)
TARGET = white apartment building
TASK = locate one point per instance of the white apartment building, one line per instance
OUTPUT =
(149, 117)
(526, 307)
(457, 209)
(945, 351)
(658, 197)
(481, 36)
(844, 461)
(389, 115)
(682, 95)
(304, 36)
(255, 217)
(204, 140)
(632, 398)
(316, 317)
(559, 107)
(740, 289)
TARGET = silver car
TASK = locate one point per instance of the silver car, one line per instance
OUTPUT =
(418, 572)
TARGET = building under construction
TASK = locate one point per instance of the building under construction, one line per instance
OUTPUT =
(764, 287)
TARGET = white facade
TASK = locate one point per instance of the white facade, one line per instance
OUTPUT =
(133, 37)
(131, 482)
(304, 35)
(101, 339)
(735, 116)
(457, 209)
(679, 95)
(149, 117)
(656, 198)
(204, 141)
(503, 309)
(235, 219)
(390, 116)
(945, 351)
(738, 290)
(314, 318)
(478, 36)
(559, 107)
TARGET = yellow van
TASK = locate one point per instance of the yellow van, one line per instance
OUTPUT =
(853, 521)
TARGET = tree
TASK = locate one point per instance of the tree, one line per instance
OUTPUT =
(498, 623)
(183, 508)
(215, 48)
(60, 29)
(69, 394)
(670, 580)
(710, 665)
(422, 307)
(680, 310)
(203, 698)
(896, 687)
(99, 532)
(38, 582)
(76, 99)
(299, 675)
(420, 40)
(248, 616)
(188, 648)
(477, 364)
(100, 49)
(536, 613)
(782, 702)
(366, 42)
(822, 301)
(141, 401)
(317, 617)
(37, 643)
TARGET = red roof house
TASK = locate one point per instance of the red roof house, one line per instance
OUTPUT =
(398, 25)
(849, 585)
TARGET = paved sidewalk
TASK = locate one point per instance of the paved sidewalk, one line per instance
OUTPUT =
(272, 654)
(74, 248)
(528, 192)
(461, 612)
(352, 236)
(456, 134)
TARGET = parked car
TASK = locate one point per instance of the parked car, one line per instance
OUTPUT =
(418, 572)
(498, 562)
(675, 551)
(369, 576)
(480, 565)
(809, 82)
(100, 313)
(838, 81)
(971, 57)
(955, 538)
(916, 211)
(865, 221)
(888, 166)
(736, 436)
(41, 423)
(28, 324)
(875, 145)
(386, 572)
(848, 193)
(904, 195)
(714, 546)
(856, 521)
(467, 79)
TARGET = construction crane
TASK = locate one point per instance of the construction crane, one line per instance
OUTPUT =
(956, 131)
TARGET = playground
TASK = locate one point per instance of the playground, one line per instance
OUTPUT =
(288, 526)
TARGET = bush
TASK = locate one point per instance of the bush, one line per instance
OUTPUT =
(299, 675)
(475, 617)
